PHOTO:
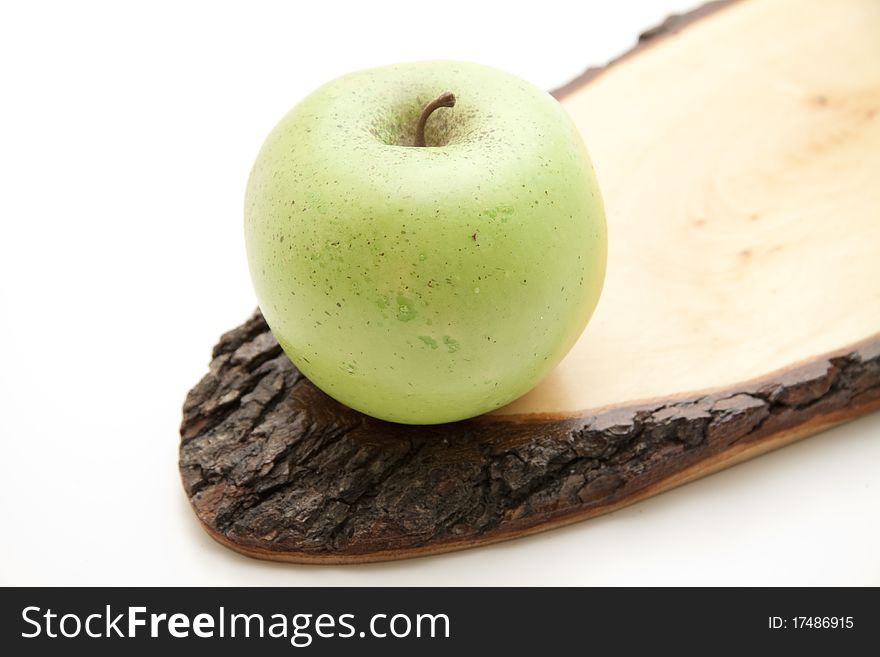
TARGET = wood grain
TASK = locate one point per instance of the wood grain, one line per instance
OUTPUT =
(740, 314)
(739, 162)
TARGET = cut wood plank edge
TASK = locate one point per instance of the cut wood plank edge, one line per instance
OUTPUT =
(672, 25)
(788, 373)
(722, 461)
(613, 458)
(234, 460)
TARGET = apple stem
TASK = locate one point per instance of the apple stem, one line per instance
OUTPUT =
(446, 99)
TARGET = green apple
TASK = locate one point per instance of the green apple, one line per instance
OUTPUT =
(425, 283)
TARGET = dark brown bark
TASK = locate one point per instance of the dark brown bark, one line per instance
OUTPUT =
(276, 468)
(670, 26)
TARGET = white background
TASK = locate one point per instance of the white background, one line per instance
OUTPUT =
(126, 137)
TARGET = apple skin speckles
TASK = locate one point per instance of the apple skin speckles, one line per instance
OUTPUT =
(381, 267)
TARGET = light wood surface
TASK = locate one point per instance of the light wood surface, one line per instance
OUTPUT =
(740, 166)
(738, 149)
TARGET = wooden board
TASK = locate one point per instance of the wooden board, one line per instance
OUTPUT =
(738, 149)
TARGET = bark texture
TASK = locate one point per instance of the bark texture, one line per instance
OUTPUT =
(276, 468)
